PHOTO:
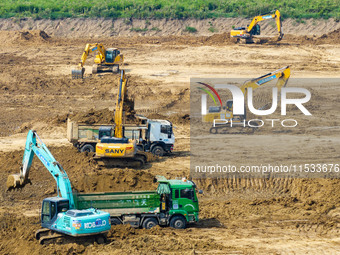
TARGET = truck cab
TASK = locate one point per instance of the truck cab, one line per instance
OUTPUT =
(180, 201)
(160, 137)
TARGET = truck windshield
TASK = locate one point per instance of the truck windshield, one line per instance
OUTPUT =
(187, 193)
(166, 129)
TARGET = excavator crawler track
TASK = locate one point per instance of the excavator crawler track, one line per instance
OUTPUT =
(226, 129)
(138, 161)
(46, 236)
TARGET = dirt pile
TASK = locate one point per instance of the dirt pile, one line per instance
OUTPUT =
(130, 240)
(315, 197)
(331, 38)
(84, 173)
(104, 116)
(177, 118)
(219, 39)
(24, 37)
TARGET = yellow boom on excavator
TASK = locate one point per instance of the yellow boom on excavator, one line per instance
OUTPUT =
(118, 150)
(215, 113)
(105, 60)
(247, 33)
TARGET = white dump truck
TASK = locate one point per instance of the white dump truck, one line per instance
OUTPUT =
(155, 136)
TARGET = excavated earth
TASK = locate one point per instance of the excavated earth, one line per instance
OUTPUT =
(237, 216)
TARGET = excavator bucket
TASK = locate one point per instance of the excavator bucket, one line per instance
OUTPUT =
(14, 181)
(78, 73)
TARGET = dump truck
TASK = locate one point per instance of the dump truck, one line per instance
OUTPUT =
(155, 136)
(173, 204)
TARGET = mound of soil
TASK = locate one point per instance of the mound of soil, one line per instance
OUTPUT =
(331, 38)
(84, 173)
(24, 36)
(176, 118)
(104, 116)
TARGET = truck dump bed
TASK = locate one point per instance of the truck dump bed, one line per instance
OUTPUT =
(119, 203)
(81, 132)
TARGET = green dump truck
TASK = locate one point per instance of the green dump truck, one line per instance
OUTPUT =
(173, 204)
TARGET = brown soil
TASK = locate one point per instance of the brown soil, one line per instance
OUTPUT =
(100, 27)
(238, 216)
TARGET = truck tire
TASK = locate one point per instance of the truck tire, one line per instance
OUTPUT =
(115, 221)
(158, 151)
(178, 222)
(87, 148)
(150, 223)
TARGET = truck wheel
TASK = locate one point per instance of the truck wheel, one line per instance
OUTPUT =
(178, 222)
(87, 148)
(115, 221)
(158, 151)
(150, 223)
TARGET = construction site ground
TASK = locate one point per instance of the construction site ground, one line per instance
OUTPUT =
(267, 216)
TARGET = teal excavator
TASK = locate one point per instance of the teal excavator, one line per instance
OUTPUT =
(59, 216)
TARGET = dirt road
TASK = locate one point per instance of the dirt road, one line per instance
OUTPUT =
(266, 216)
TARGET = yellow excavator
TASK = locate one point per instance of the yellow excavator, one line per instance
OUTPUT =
(118, 150)
(247, 33)
(105, 60)
(216, 113)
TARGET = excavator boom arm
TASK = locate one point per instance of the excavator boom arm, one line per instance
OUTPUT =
(34, 145)
(281, 74)
(92, 47)
(119, 105)
(276, 15)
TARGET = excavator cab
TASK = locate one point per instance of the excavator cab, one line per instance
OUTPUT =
(104, 132)
(111, 54)
(256, 30)
(50, 208)
(229, 105)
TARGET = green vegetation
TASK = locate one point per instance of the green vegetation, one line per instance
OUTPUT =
(212, 29)
(190, 29)
(156, 9)
(155, 29)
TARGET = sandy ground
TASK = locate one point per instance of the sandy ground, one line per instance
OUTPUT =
(264, 216)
